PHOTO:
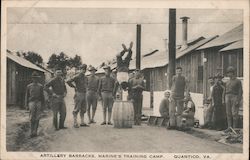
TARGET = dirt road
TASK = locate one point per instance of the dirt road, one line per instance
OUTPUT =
(97, 138)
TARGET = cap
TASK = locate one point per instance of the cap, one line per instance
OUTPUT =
(83, 66)
(107, 67)
(91, 68)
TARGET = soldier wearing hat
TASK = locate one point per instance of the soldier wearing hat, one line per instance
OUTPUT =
(92, 96)
(136, 87)
(106, 91)
(34, 101)
(58, 92)
(79, 83)
(233, 97)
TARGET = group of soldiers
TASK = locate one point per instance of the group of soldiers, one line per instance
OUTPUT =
(224, 101)
(178, 107)
(88, 89)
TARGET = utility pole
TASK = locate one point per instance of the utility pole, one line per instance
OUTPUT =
(171, 46)
(138, 46)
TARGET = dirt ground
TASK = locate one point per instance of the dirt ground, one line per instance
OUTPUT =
(97, 138)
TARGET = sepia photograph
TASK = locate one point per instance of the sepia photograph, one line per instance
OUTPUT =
(124, 81)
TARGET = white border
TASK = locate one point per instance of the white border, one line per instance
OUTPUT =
(127, 4)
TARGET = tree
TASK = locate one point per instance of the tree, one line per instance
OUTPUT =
(33, 57)
(75, 62)
(58, 61)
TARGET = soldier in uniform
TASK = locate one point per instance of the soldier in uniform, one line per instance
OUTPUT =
(178, 88)
(79, 82)
(92, 96)
(136, 87)
(123, 66)
(107, 92)
(217, 96)
(232, 98)
(58, 93)
(34, 101)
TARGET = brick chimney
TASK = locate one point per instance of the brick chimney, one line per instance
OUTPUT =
(184, 32)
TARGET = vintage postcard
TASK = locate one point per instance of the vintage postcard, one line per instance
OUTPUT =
(161, 80)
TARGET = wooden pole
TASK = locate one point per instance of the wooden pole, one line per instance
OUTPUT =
(205, 77)
(138, 46)
(171, 46)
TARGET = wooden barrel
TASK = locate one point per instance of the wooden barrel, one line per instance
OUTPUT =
(123, 114)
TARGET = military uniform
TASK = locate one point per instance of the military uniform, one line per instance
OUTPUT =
(80, 81)
(135, 94)
(123, 65)
(92, 96)
(123, 68)
(217, 96)
(106, 90)
(177, 96)
(34, 99)
(58, 105)
(232, 100)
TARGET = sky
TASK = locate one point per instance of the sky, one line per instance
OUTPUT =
(97, 34)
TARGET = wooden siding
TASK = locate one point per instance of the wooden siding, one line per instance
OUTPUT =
(190, 64)
(233, 58)
(158, 78)
(11, 83)
(213, 65)
(219, 61)
(18, 77)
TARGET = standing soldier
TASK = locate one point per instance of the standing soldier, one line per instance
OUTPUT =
(58, 93)
(34, 101)
(233, 98)
(210, 110)
(136, 87)
(106, 91)
(92, 96)
(80, 85)
(217, 96)
(179, 86)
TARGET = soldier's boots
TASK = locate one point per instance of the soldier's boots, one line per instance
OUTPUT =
(33, 129)
(83, 124)
(75, 122)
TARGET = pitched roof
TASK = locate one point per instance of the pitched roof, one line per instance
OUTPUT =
(160, 59)
(235, 45)
(23, 62)
(233, 35)
(200, 41)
